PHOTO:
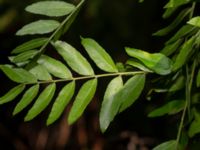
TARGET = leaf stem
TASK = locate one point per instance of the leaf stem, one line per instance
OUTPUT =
(41, 51)
(89, 77)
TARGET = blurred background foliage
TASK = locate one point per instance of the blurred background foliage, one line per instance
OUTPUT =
(114, 24)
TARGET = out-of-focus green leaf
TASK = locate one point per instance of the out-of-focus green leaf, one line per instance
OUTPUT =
(12, 94)
(157, 62)
(83, 98)
(174, 24)
(38, 27)
(178, 84)
(171, 107)
(183, 31)
(175, 3)
(27, 98)
(22, 57)
(194, 127)
(41, 102)
(183, 54)
(168, 12)
(32, 44)
(18, 74)
(55, 67)
(101, 58)
(61, 102)
(198, 79)
(73, 58)
(40, 73)
(131, 91)
(171, 48)
(110, 106)
(169, 145)
(51, 8)
(195, 21)
(137, 65)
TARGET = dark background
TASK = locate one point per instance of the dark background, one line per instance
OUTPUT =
(114, 24)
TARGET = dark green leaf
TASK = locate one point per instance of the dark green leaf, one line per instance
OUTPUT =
(168, 12)
(12, 94)
(61, 102)
(73, 58)
(131, 91)
(110, 106)
(51, 8)
(27, 98)
(175, 3)
(32, 44)
(137, 65)
(38, 27)
(101, 58)
(55, 67)
(195, 21)
(18, 74)
(157, 62)
(171, 107)
(22, 57)
(40, 73)
(194, 128)
(42, 102)
(178, 84)
(174, 24)
(198, 79)
(183, 54)
(171, 48)
(83, 98)
(169, 145)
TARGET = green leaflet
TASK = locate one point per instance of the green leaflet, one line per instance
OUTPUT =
(175, 3)
(73, 58)
(42, 102)
(178, 84)
(194, 126)
(51, 8)
(174, 24)
(183, 54)
(169, 145)
(22, 57)
(40, 73)
(195, 21)
(18, 75)
(137, 65)
(12, 94)
(157, 62)
(32, 44)
(131, 91)
(61, 102)
(168, 12)
(198, 79)
(55, 67)
(83, 98)
(110, 106)
(38, 27)
(171, 48)
(171, 107)
(101, 58)
(27, 98)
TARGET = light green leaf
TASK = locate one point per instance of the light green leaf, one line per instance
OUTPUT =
(83, 98)
(27, 98)
(55, 67)
(40, 73)
(171, 107)
(171, 48)
(174, 24)
(51, 8)
(131, 91)
(183, 54)
(157, 62)
(137, 65)
(73, 58)
(175, 3)
(195, 21)
(38, 27)
(198, 79)
(61, 102)
(110, 106)
(101, 58)
(18, 75)
(169, 145)
(12, 94)
(32, 44)
(41, 102)
(22, 57)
